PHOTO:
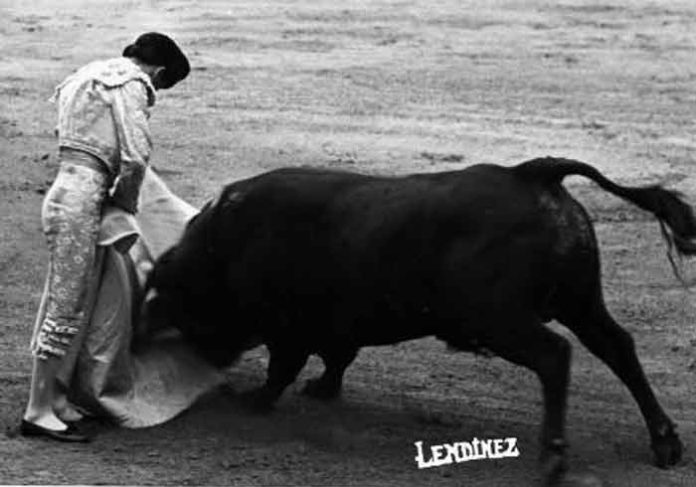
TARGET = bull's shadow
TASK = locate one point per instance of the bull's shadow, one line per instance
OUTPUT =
(393, 397)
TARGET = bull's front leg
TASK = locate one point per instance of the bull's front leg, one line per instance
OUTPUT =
(286, 361)
(328, 385)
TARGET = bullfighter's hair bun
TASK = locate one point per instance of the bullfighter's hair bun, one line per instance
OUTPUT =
(160, 50)
(130, 51)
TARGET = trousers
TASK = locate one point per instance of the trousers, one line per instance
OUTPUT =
(70, 218)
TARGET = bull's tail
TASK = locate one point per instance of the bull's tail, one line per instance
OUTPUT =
(676, 217)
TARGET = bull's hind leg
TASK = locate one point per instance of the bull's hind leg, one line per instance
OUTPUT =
(328, 385)
(598, 331)
(532, 345)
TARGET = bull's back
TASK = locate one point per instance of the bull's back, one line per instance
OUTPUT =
(380, 220)
(476, 197)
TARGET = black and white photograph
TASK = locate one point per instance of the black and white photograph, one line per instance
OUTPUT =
(348, 243)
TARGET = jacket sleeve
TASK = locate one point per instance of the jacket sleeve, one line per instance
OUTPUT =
(131, 118)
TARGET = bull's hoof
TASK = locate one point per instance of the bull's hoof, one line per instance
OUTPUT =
(668, 449)
(553, 467)
(258, 401)
(553, 462)
(321, 389)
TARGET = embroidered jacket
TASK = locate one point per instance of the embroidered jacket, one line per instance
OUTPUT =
(103, 109)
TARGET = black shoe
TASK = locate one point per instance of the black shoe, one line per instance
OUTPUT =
(71, 434)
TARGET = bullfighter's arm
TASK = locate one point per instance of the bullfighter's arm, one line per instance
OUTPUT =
(131, 114)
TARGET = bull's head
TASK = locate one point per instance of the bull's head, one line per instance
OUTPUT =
(182, 296)
(187, 290)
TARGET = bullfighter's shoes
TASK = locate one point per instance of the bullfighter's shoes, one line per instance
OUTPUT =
(70, 435)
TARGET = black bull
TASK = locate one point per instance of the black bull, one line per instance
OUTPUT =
(309, 261)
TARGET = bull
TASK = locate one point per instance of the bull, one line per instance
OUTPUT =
(310, 261)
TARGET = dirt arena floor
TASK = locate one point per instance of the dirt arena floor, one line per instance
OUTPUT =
(386, 87)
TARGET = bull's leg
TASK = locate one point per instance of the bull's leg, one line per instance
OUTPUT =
(328, 385)
(536, 347)
(285, 363)
(598, 331)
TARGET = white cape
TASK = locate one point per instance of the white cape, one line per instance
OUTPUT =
(109, 370)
